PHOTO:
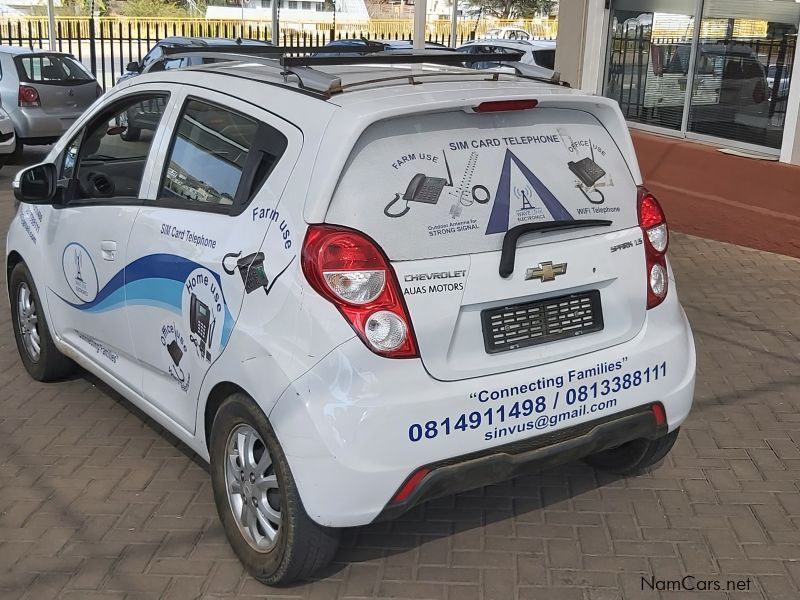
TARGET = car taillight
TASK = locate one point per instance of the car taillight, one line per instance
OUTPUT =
(656, 242)
(28, 96)
(352, 272)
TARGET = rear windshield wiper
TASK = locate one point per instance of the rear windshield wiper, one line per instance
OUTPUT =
(511, 238)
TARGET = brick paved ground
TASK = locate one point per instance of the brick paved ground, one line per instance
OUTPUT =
(97, 501)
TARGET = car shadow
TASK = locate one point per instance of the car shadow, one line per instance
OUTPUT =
(511, 509)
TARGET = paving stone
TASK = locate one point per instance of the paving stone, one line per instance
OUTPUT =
(97, 501)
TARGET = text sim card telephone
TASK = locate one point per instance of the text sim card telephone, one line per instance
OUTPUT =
(421, 188)
(201, 324)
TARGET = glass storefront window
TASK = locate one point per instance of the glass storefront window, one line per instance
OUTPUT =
(743, 70)
(743, 57)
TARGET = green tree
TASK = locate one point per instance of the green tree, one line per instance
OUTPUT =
(153, 8)
(514, 9)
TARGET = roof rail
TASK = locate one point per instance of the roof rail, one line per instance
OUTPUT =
(310, 79)
(294, 61)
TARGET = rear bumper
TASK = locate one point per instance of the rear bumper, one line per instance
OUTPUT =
(355, 427)
(534, 454)
(35, 126)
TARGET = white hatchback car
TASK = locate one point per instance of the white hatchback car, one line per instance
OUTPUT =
(355, 287)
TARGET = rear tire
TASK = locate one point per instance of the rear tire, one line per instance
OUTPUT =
(635, 456)
(257, 499)
(39, 355)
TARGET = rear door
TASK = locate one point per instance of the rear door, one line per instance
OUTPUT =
(440, 193)
(198, 245)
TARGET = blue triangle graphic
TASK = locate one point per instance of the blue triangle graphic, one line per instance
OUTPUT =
(498, 220)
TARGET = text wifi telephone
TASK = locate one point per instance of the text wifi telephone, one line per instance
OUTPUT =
(202, 325)
(421, 188)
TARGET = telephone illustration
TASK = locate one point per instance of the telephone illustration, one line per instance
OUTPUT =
(202, 325)
(421, 188)
(589, 173)
(251, 269)
(175, 352)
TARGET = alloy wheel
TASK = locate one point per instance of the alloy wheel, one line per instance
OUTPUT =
(28, 321)
(252, 488)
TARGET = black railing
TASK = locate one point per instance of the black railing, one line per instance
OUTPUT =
(106, 50)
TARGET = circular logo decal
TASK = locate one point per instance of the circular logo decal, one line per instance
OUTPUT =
(79, 272)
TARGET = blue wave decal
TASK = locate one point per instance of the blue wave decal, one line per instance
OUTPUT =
(155, 280)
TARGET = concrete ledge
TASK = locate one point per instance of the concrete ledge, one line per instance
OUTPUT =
(704, 192)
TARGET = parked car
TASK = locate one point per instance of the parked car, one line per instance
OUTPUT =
(508, 33)
(541, 54)
(350, 46)
(154, 59)
(8, 141)
(472, 283)
(730, 88)
(43, 93)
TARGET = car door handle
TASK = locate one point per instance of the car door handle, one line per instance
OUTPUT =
(109, 250)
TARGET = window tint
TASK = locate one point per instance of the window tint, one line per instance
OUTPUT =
(45, 68)
(545, 58)
(218, 157)
(107, 159)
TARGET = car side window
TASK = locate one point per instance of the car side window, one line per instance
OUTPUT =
(152, 56)
(218, 158)
(107, 158)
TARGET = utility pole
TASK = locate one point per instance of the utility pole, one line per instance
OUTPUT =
(454, 25)
(275, 27)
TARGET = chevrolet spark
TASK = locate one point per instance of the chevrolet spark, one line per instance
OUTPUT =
(354, 288)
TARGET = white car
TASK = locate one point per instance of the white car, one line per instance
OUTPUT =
(8, 140)
(537, 53)
(354, 289)
(508, 33)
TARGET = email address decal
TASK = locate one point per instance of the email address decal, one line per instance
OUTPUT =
(541, 412)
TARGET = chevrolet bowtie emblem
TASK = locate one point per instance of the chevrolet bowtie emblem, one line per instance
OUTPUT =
(546, 271)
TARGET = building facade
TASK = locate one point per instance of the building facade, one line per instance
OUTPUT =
(716, 71)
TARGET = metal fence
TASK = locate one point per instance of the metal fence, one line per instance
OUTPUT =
(107, 45)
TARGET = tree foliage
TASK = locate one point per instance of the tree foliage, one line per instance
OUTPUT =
(153, 8)
(514, 9)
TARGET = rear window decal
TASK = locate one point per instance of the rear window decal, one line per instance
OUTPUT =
(498, 220)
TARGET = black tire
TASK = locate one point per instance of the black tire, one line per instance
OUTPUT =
(50, 365)
(301, 546)
(131, 134)
(635, 456)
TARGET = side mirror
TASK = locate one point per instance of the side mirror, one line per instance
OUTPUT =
(133, 67)
(36, 184)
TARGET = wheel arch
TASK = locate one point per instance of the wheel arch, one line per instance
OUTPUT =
(216, 397)
(12, 260)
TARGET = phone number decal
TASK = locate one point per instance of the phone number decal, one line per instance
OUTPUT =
(540, 412)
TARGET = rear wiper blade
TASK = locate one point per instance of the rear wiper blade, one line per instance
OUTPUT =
(509, 254)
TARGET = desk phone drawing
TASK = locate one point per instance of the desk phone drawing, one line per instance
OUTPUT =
(589, 173)
(421, 188)
(251, 269)
(202, 325)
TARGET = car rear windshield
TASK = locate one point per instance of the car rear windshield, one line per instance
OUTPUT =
(545, 58)
(51, 68)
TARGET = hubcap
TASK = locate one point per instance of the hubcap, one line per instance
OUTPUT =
(28, 321)
(252, 488)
